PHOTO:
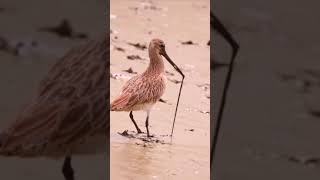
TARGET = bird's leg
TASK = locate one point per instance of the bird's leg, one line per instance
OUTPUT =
(147, 124)
(134, 122)
(67, 169)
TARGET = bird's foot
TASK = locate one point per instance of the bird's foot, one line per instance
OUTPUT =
(139, 131)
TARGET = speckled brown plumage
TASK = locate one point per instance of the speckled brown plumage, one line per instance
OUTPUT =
(138, 91)
(69, 110)
(141, 92)
(144, 90)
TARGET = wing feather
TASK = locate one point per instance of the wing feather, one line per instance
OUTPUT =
(139, 90)
(67, 108)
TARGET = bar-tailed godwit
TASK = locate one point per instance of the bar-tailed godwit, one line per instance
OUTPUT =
(142, 91)
(68, 115)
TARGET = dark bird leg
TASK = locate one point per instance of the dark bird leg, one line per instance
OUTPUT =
(67, 169)
(219, 27)
(134, 122)
(147, 124)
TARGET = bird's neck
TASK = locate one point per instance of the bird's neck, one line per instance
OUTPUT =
(156, 65)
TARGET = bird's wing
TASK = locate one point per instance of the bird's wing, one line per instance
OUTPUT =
(139, 90)
(121, 102)
(71, 105)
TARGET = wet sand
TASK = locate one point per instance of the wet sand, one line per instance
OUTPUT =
(186, 156)
(271, 128)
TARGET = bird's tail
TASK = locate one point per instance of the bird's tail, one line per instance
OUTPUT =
(120, 103)
(3, 139)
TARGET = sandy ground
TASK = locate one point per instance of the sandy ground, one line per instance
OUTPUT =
(187, 157)
(20, 75)
(271, 125)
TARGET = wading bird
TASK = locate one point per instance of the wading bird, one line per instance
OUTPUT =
(219, 27)
(69, 113)
(141, 92)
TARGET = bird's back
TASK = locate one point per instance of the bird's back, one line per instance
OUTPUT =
(69, 109)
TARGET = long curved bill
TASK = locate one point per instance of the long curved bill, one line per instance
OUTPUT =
(219, 27)
(173, 64)
(180, 72)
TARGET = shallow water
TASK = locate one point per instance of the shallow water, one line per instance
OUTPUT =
(186, 154)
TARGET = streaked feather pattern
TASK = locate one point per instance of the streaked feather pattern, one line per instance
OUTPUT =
(139, 90)
(144, 90)
(69, 109)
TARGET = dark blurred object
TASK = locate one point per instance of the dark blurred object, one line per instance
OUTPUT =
(6, 47)
(130, 71)
(219, 27)
(119, 49)
(188, 43)
(134, 57)
(217, 65)
(138, 46)
(64, 30)
(308, 161)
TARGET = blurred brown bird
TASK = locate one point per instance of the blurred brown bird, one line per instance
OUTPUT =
(69, 113)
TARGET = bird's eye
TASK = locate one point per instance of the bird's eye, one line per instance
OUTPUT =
(162, 45)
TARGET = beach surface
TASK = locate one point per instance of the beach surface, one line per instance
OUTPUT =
(271, 124)
(186, 155)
